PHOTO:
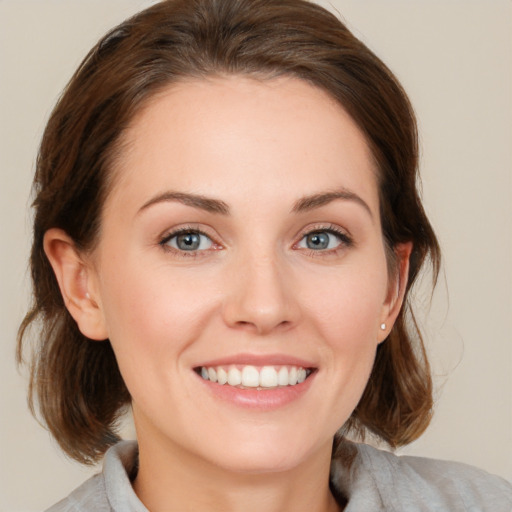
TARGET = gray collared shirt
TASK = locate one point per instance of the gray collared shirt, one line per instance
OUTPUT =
(374, 481)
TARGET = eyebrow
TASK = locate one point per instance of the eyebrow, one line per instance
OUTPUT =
(195, 200)
(211, 205)
(313, 201)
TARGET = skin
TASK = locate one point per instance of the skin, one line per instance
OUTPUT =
(255, 286)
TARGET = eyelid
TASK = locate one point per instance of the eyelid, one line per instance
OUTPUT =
(346, 239)
(179, 230)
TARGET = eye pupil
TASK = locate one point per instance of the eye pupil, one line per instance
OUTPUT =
(318, 241)
(188, 241)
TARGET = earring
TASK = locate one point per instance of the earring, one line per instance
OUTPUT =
(383, 326)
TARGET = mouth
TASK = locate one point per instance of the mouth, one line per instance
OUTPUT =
(255, 377)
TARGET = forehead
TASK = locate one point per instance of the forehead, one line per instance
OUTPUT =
(240, 138)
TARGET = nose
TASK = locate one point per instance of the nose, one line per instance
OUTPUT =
(261, 297)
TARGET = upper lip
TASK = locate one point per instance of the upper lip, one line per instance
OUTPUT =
(258, 360)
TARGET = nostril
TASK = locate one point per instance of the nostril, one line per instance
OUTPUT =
(261, 326)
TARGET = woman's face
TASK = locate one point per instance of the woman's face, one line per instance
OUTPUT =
(242, 241)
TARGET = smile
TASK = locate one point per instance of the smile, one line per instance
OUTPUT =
(253, 377)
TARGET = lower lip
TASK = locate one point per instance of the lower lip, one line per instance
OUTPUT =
(258, 399)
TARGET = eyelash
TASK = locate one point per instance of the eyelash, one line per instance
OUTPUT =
(345, 241)
(183, 231)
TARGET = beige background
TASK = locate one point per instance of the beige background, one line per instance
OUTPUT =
(454, 58)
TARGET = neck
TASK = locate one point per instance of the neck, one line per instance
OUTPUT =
(177, 480)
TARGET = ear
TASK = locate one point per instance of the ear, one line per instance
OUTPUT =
(73, 274)
(396, 289)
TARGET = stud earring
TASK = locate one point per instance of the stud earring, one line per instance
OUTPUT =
(383, 326)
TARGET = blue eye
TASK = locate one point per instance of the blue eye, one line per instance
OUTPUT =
(188, 241)
(322, 240)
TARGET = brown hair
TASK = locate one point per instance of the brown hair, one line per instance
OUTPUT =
(76, 382)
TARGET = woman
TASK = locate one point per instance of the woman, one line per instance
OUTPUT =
(227, 229)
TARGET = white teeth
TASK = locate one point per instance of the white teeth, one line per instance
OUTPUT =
(252, 377)
(282, 376)
(268, 377)
(222, 376)
(234, 376)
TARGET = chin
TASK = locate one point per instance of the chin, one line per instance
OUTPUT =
(264, 453)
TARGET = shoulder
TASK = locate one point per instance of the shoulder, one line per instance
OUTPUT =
(91, 495)
(415, 483)
(109, 491)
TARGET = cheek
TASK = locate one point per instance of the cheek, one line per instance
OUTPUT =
(347, 317)
(153, 315)
(349, 306)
